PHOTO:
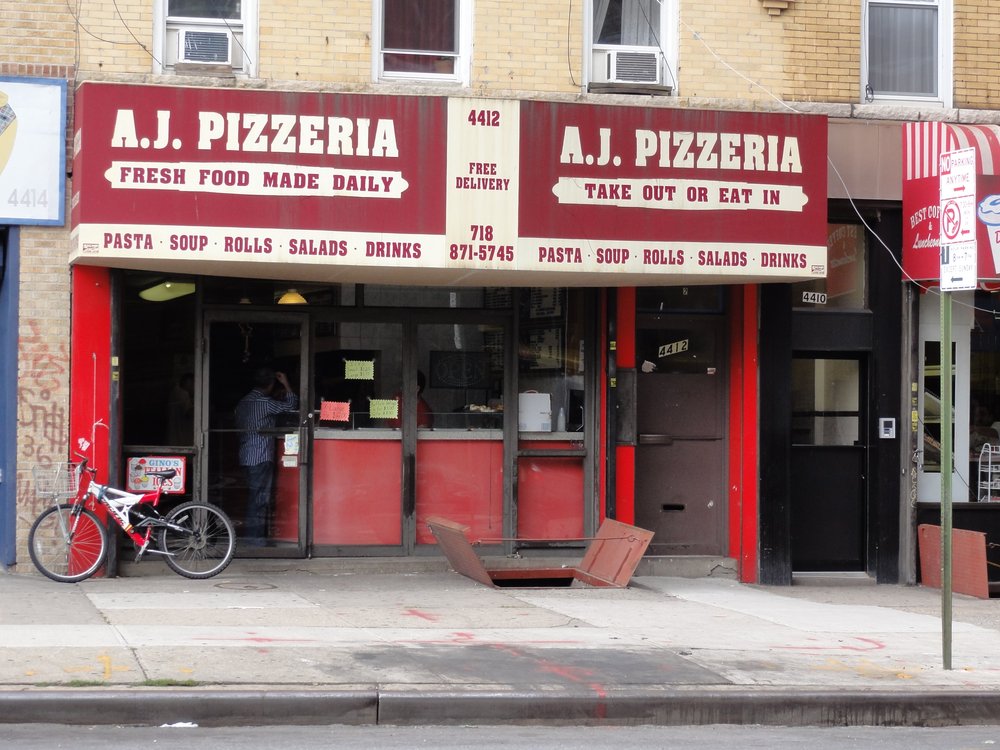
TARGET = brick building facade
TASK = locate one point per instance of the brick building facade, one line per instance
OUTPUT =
(746, 56)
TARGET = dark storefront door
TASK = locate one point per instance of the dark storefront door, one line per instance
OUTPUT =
(681, 423)
(828, 465)
(236, 347)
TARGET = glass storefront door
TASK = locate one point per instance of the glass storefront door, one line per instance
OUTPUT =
(459, 428)
(409, 425)
(255, 434)
(357, 470)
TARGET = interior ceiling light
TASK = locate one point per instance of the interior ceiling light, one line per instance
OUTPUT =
(167, 290)
(292, 297)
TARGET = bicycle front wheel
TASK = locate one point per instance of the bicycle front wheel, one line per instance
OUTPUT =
(199, 543)
(67, 543)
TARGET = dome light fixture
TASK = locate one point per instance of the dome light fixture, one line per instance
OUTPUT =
(167, 290)
(292, 297)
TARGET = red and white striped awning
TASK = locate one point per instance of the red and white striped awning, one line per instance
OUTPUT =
(923, 144)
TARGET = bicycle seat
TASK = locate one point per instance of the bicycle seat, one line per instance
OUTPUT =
(162, 473)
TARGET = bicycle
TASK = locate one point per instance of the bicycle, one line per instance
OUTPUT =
(68, 542)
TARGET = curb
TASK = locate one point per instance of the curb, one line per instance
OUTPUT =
(204, 708)
(370, 706)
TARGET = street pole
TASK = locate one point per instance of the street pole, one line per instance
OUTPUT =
(946, 473)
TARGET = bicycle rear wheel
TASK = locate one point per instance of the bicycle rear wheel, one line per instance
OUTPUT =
(67, 543)
(202, 542)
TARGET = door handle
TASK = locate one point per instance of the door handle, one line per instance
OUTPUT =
(655, 439)
(409, 489)
(305, 438)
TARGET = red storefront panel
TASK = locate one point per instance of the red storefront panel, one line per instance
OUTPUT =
(356, 492)
(460, 479)
(549, 490)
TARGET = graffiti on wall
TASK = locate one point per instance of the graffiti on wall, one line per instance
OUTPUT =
(41, 409)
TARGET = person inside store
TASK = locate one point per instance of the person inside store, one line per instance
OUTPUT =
(255, 416)
(425, 415)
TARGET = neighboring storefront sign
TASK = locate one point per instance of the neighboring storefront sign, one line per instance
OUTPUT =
(181, 179)
(138, 480)
(923, 222)
(846, 243)
(32, 151)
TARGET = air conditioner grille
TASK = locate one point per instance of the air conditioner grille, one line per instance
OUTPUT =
(640, 67)
(206, 46)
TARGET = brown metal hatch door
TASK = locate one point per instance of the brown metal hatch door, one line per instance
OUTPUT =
(680, 481)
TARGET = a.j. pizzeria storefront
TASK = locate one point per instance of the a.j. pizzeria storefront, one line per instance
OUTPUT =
(520, 315)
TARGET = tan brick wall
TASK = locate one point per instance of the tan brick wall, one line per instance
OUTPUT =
(808, 53)
(309, 40)
(977, 55)
(731, 52)
(39, 41)
(736, 50)
(43, 364)
(36, 34)
(524, 47)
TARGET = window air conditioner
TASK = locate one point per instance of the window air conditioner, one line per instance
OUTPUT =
(627, 66)
(205, 47)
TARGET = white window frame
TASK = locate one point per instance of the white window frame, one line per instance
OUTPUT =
(165, 27)
(669, 36)
(463, 61)
(944, 55)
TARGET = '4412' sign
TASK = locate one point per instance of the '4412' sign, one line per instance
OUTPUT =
(675, 348)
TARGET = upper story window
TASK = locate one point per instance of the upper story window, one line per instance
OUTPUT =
(429, 39)
(633, 45)
(206, 36)
(907, 50)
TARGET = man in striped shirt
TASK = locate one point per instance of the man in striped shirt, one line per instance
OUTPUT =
(255, 415)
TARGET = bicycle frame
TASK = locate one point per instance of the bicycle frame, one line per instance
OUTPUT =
(121, 504)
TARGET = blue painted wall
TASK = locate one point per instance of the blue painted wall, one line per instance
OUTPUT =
(8, 392)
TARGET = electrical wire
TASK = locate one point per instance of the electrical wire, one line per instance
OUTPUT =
(749, 80)
(80, 26)
(142, 46)
(906, 277)
(75, 12)
(869, 91)
(569, 39)
(861, 218)
(236, 38)
(656, 38)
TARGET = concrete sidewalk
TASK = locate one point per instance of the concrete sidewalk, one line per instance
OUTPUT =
(311, 642)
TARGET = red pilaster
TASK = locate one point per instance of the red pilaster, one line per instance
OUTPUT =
(90, 365)
(625, 454)
(745, 434)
